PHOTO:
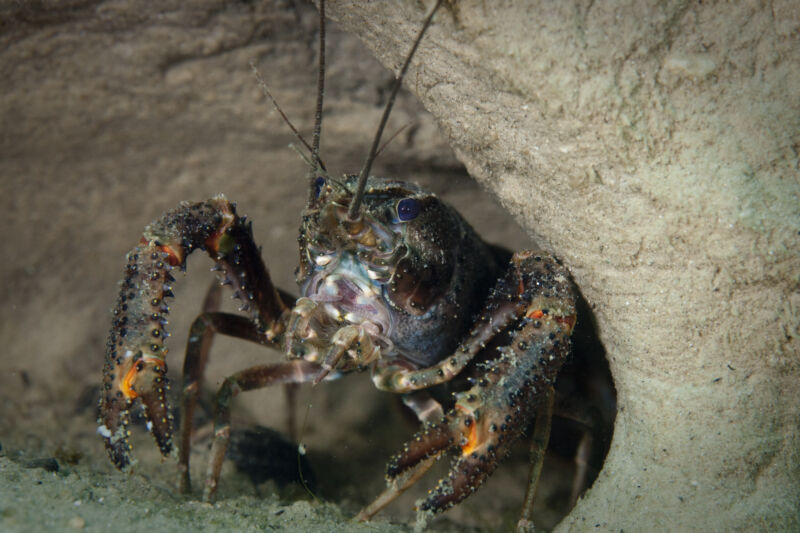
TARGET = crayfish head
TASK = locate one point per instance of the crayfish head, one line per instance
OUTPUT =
(134, 376)
(427, 266)
(396, 221)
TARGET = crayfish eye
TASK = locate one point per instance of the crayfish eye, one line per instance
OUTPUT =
(319, 183)
(407, 209)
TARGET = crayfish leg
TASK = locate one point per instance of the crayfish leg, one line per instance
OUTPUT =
(541, 437)
(200, 336)
(424, 406)
(257, 377)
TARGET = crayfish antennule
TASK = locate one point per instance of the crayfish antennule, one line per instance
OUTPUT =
(352, 212)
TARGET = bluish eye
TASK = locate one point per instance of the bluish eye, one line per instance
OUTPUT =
(407, 209)
(319, 183)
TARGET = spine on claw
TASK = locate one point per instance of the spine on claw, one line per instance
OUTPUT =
(135, 364)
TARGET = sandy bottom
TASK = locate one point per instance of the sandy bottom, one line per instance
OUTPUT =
(54, 474)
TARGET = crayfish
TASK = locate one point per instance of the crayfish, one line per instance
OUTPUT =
(392, 281)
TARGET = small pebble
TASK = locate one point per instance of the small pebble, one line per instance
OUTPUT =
(76, 522)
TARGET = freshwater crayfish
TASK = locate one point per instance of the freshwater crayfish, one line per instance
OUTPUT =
(391, 280)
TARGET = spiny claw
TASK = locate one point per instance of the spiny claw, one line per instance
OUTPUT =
(154, 401)
(480, 443)
(430, 441)
(113, 427)
(135, 366)
(136, 377)
(467, 474)
(510, 388)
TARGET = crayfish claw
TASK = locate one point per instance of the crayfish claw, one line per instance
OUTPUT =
(134, 377)
(156, 411)
(466, 474)
(430, 441)
(135, 364)
(113, 428)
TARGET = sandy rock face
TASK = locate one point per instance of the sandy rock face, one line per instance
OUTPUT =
(654, 147)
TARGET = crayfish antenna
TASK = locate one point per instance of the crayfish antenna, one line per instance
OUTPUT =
(355, 203)
(268, 94)
(315, 160)
(315, 163)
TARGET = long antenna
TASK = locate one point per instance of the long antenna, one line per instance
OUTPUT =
(352, 212)
(268, 94)
(315, 162)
